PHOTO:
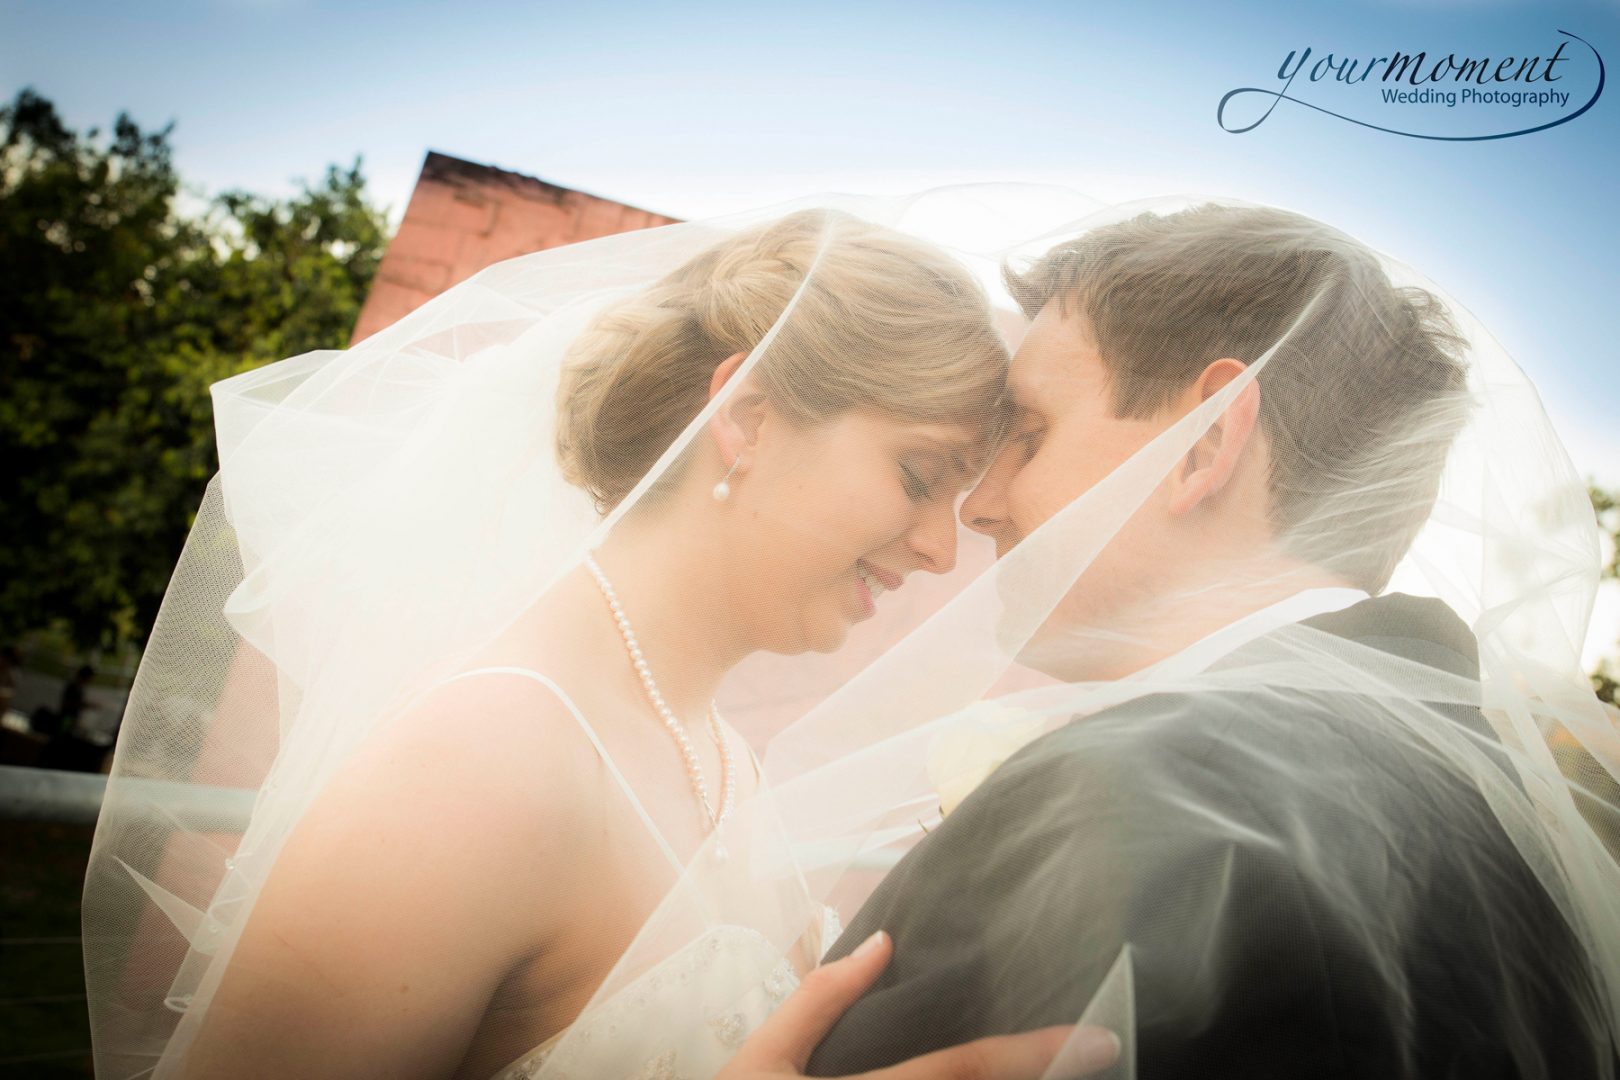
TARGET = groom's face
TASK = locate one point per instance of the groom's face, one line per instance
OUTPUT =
(1066, 437)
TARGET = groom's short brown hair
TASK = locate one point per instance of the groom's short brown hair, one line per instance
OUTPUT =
(1360, 400)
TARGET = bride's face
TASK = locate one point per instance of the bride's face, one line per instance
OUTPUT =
(830, 517)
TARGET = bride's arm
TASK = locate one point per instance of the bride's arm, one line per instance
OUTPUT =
(387, 922)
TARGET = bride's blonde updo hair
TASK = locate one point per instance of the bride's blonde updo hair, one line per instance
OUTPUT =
(886, 323)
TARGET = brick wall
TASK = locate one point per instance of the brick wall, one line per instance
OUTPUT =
(463, 216)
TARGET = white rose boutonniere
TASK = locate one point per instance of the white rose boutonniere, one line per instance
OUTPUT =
(974, 744)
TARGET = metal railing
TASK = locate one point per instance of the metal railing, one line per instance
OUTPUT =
(74, 798)
(71, 798)
(60, 797)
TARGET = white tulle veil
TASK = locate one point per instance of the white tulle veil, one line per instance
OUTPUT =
(382, 513)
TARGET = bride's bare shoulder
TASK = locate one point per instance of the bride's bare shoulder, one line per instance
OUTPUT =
(443, 853)
(502, 740)
(487, 777)
(498, 747)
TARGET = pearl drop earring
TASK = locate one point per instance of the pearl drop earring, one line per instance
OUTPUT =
(722, 490)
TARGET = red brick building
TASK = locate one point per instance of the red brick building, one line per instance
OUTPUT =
(463, 216)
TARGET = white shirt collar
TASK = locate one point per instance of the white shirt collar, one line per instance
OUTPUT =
(1205, 651)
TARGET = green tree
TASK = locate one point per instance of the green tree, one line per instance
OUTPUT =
(1606, 679)
(116, 314)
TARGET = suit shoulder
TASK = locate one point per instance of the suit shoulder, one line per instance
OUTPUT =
(1123, 748)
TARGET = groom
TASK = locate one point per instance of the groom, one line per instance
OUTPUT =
(1269, 930)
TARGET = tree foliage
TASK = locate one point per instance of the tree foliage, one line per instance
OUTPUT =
(116, 314)
(1606, 679)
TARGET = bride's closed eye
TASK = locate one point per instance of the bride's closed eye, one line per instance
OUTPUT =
(917, 489)
(927, 475)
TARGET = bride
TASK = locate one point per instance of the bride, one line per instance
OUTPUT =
(478, 722)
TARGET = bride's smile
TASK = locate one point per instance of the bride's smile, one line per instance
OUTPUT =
(830, 518)
(872, 582)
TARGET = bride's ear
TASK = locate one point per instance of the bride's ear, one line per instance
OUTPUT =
(735, 424)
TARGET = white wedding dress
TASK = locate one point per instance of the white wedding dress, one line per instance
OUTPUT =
(717, 968)
(629, 1033)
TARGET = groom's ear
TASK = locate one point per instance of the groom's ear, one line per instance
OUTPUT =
(1209, 465)
(735, 424)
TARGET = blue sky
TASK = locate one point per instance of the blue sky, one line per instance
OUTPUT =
(694, 109)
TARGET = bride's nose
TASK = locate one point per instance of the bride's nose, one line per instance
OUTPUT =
(933, 536)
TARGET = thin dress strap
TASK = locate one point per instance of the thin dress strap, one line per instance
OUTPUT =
(759, 770)
(590, 733)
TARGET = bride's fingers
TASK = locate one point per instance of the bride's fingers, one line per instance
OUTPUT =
(787, 1038)
(1012, 1057)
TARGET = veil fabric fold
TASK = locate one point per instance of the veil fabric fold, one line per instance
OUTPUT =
(382, 515)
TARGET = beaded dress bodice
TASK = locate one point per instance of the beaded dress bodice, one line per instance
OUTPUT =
(681, 1020)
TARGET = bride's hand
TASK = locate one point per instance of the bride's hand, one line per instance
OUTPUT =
(783, 1044)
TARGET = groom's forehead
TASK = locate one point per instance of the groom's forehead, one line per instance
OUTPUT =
(1056, 358)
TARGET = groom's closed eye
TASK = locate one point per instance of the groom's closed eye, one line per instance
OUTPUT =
(1024, 437)
(1026, 442)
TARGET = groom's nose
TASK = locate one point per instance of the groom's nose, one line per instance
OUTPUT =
(985, 508)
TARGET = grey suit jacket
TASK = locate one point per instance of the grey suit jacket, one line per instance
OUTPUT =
(1249, 958)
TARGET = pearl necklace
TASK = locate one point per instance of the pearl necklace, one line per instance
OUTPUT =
(693, 768)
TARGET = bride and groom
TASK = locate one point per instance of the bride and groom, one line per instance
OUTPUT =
(1261, 821)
